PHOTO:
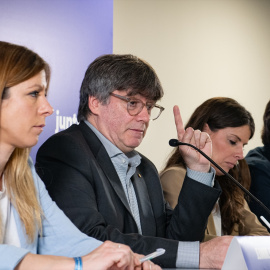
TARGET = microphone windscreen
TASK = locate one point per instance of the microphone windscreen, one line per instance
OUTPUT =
(173, 142)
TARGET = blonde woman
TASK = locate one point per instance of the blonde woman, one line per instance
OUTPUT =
(34, 233)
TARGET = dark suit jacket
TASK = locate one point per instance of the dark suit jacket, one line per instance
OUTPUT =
(258, 160)
(81, 178)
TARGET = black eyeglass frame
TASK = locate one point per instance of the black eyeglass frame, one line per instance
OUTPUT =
(128, 99)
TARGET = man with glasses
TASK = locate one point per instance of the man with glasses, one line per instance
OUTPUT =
(112, 192)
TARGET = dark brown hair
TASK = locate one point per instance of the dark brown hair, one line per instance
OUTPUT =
(266, 125)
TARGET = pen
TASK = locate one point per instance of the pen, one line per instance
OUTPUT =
(155, 254)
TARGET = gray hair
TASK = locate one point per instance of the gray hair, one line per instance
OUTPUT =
(111, 72)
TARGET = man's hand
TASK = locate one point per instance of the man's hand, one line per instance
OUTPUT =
(213, 252)
(193, 159)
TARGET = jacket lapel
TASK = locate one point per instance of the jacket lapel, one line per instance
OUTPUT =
(145, 207)
(22, 235)
(211, 229)
(103, 162)
(109, 172)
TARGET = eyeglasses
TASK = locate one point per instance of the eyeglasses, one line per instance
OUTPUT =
(135, 106)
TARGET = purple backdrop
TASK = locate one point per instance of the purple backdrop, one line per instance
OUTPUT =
(69, 35)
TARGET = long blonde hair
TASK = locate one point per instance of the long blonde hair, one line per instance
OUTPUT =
(18, 64)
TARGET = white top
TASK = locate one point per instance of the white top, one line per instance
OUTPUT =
(9, 228)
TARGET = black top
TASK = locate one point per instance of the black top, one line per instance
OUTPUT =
(258, 160)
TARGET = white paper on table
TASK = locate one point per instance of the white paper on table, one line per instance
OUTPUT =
(248, 253)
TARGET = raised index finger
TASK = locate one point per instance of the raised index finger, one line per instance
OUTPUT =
(178, 122)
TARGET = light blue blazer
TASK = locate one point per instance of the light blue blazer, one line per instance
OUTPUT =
(59, 235)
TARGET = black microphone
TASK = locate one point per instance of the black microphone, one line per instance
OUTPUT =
(174, 143)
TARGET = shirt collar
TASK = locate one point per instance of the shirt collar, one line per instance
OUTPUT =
(112, 150)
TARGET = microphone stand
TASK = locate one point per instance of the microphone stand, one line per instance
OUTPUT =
(174, 143)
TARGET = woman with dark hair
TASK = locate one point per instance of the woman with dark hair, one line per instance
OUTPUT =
(230, 127)
(258, 161)
(34, 232)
